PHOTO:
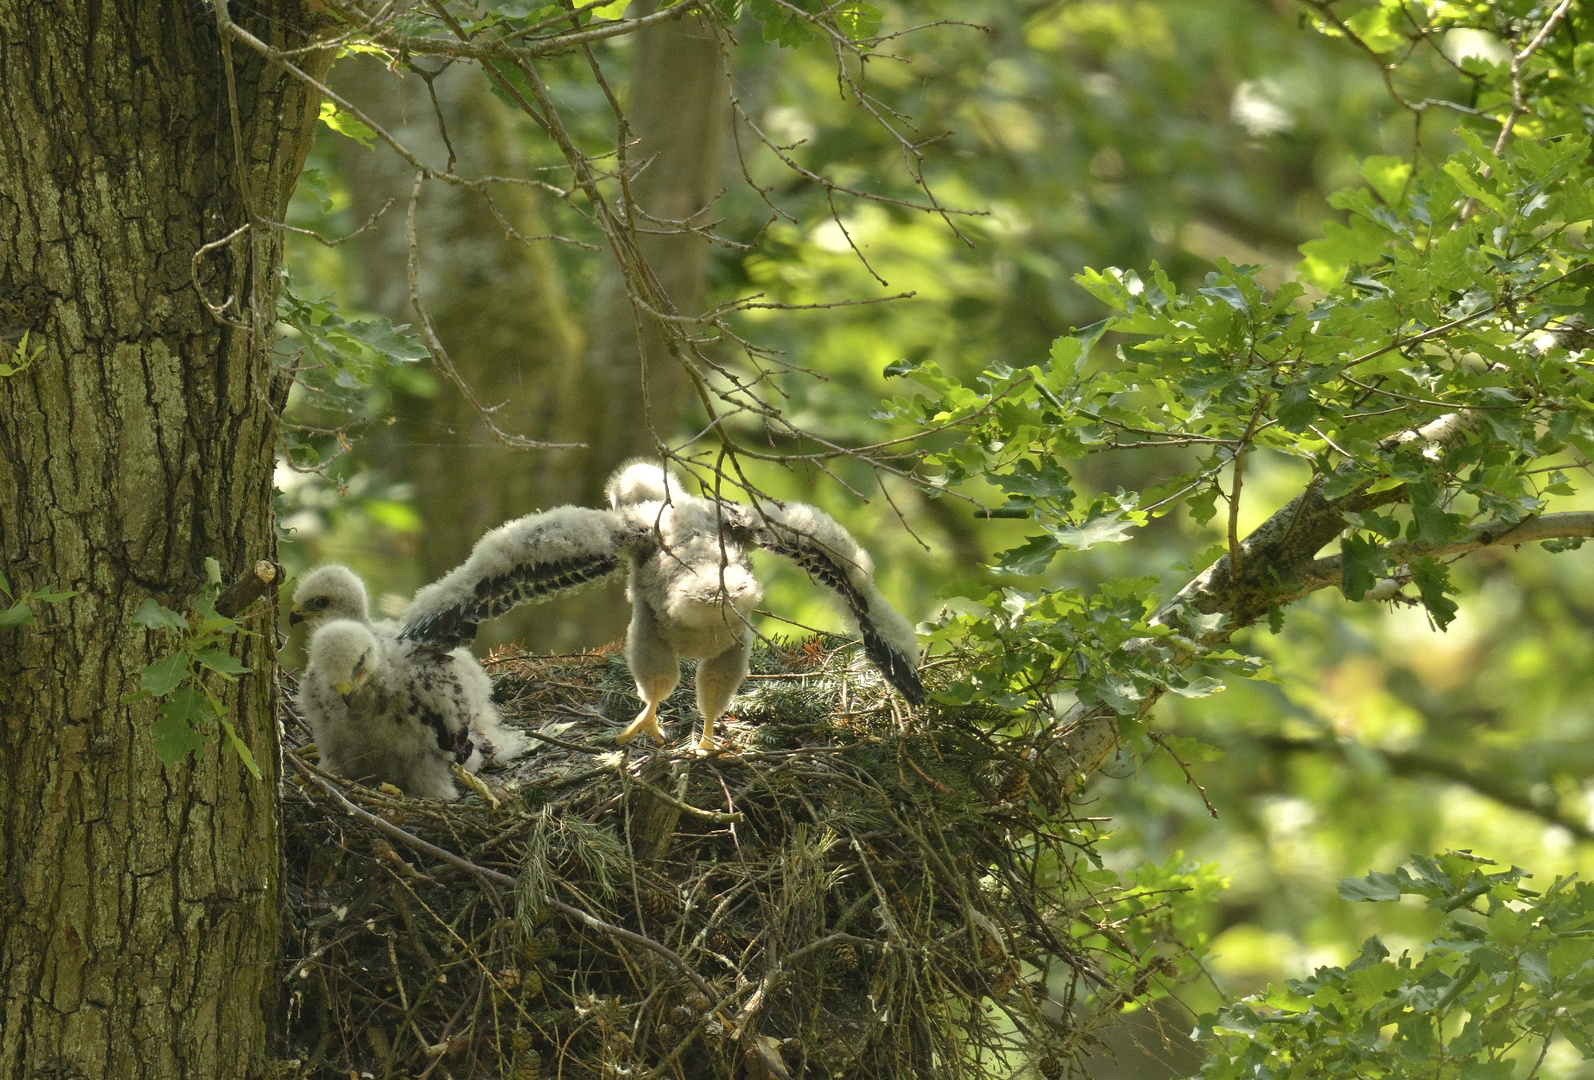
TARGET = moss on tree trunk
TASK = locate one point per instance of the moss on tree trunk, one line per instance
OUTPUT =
(138, 903)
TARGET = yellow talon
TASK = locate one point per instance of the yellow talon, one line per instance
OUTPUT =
(478, 785)
(647, 721)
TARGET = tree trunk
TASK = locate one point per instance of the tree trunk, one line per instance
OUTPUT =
(628, 395)
(497, 303)
(679, 110)
(499, 308)
(138, 903)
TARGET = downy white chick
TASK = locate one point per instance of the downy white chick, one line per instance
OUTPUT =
(464, 707)
(398, 711)
(691, 584)
(336, 592)
(373, 722)
(691, 591)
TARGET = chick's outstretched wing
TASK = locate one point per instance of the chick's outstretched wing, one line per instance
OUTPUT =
(530, 558)
(816, 542)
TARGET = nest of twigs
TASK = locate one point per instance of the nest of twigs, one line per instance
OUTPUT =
(851, 891)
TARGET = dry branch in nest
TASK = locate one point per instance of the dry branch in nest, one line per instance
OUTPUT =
(852, 892)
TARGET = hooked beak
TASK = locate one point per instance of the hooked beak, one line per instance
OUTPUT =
(346, 689)
(295, 617)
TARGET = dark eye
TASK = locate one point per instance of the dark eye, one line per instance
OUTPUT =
(320, 603)
(359, 665)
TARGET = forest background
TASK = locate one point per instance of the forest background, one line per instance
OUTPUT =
(1087, 134)
(1057, 137)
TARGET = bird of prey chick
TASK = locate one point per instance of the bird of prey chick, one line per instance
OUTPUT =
(397, 711)
(691, 584)
(335, 592)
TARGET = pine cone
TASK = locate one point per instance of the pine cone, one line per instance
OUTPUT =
(847, 956)
(656, 905)
(528, 1066)
(1050, 1066)
(537, 948)
(1003, 981)
(1015, 785)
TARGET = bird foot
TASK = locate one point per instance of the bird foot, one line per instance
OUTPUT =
(709, 746)
(647, 721)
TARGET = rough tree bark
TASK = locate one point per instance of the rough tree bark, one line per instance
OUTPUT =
(138, 904)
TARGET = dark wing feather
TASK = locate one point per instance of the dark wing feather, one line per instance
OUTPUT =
(900, 671)
(549, 563)
(456, 625)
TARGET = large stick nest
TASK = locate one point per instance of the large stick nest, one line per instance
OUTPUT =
(850, 892)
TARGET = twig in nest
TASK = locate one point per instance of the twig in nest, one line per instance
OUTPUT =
(488, 875)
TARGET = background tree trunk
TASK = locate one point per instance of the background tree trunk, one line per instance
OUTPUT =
(497, 303)
(138, 904)
(628, 395)
(679, 110)
(500, 309)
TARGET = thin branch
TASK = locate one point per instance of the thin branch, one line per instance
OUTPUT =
(370, 222)
(1239, 474)
(1445, 328)
(1191, 780)
(537, 47)
(444, 362)
(1413, 764)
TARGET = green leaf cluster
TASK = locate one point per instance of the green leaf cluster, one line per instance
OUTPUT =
(1045, 649)
(197, 649)
(21, 358)
(1510, 969)
(340, 358)
(345, 350)
(1467, 310)
(1147, 922)
(348, 125)
(20, 613)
